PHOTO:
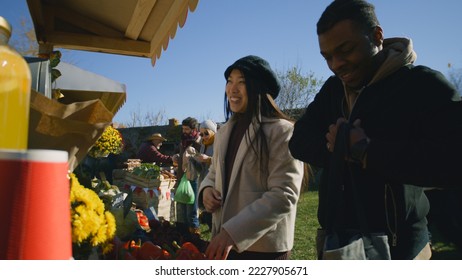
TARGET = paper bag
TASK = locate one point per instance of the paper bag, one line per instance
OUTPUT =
(71, 127)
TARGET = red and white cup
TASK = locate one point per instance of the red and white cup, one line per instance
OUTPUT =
(34, 205)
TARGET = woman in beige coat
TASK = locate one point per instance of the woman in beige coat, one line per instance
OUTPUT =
(253, 184)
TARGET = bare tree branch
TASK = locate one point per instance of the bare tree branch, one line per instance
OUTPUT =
(140, 118)
(455, 77)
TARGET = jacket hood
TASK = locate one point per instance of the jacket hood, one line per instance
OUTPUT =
(399, 52)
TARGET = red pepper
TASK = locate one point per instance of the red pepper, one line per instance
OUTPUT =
(190, 246)
(143, 220)
(187, 251)
(150, 251)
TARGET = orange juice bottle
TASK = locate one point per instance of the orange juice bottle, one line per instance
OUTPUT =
(15, 83)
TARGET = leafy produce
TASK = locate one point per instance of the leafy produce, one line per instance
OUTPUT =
(147, 170)
(127, 225)
(109, 194)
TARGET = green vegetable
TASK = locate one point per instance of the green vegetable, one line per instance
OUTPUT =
(147, 170)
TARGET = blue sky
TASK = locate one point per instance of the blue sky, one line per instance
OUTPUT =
(188, 79)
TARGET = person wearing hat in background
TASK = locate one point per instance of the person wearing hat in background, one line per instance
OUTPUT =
(149, 151)
(253, 184)
(207, 130)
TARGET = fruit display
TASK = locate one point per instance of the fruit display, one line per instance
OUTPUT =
(150, 251)
(140, 237)
(160, 240)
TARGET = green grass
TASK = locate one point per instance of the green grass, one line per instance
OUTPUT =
(305, 228)
(306, 225)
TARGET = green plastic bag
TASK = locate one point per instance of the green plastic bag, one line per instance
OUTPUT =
(184, 193)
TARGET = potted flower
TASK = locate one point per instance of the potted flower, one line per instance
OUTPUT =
(110, 142)
(93, 228)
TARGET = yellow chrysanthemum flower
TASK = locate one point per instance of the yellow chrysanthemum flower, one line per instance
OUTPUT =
(110, 142)
(90, 222)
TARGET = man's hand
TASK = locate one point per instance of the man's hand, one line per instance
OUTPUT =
(332, 134)
(357, 133)
(358, 143)
(358, 140)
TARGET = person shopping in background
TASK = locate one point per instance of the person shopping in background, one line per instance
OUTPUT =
(149, 151)
(207, 129)
(404, 119)
(253, 184)
(187, 214)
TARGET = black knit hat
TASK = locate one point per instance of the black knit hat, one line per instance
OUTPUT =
(260, 69)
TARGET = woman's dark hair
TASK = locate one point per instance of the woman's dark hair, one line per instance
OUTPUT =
(359, 11)
(259, 104)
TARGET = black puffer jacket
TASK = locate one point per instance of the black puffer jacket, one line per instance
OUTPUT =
(412, 117)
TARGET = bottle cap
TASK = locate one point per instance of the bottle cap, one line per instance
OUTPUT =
(4, 25)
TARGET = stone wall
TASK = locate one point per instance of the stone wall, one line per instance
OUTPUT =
(134, 136)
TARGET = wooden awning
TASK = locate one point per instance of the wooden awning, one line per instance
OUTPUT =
(128, 27)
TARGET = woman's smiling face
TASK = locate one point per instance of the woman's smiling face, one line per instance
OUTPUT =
(236, 92)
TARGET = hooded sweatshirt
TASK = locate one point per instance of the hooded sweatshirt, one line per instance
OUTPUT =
(395, 108)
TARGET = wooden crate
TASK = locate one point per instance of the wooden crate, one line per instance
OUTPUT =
(151, 193)
(130, 178)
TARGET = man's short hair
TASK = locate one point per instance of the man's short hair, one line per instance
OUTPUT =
(359, 11)
(191, 122)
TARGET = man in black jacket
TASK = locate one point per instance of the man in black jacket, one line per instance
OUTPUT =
(405, 123)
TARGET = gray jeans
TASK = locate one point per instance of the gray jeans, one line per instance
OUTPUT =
(425, 253)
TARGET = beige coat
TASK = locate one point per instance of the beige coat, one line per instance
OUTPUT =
(187, 165)
(259, 211)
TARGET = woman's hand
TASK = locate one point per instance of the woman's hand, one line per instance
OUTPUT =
(219, 246)
(211, 199)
